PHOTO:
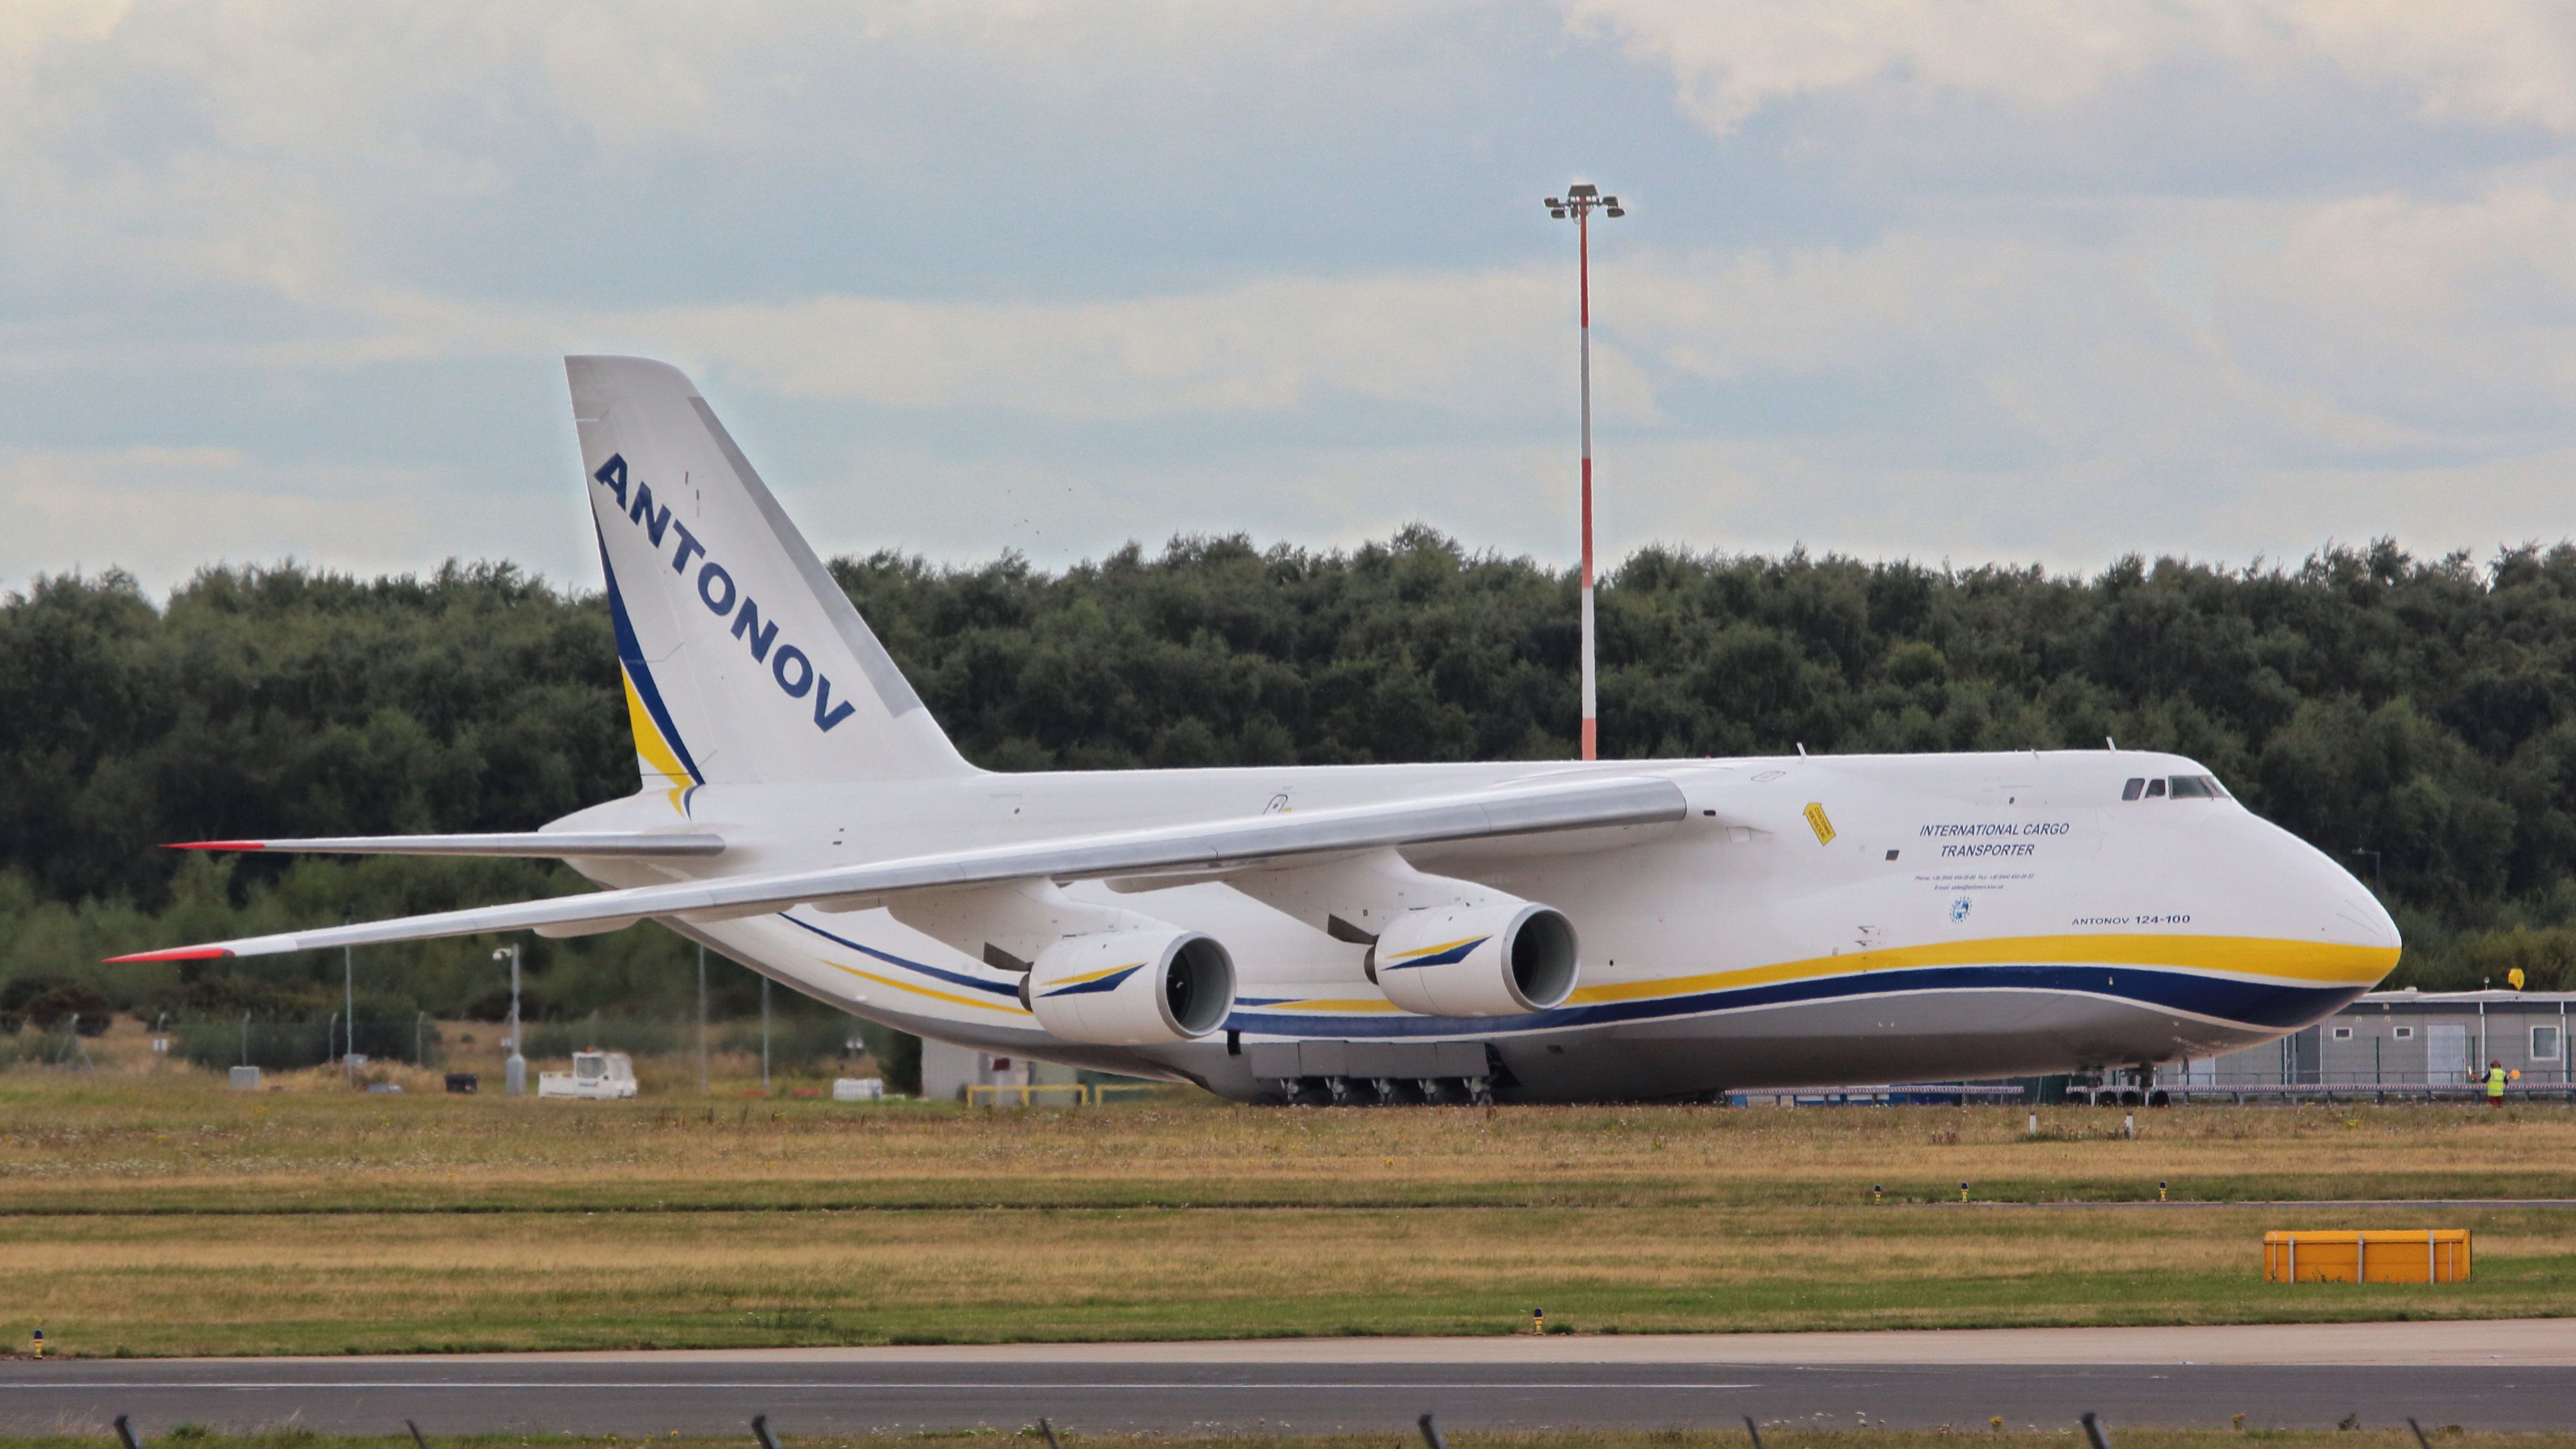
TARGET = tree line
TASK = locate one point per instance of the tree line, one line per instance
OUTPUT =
(2414, 717)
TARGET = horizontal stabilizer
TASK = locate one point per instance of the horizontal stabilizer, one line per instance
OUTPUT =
(1213, 847)
(537, 845)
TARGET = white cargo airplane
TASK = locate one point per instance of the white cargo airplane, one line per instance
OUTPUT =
(1532, 932)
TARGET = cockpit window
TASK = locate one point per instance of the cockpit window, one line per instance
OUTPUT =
(2176, 787)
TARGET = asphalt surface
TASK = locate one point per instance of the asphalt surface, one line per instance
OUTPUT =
(2496, 1376)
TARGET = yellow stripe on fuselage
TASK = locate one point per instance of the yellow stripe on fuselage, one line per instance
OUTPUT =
(1012, 1009)
(2317, 962)
(2322, 963)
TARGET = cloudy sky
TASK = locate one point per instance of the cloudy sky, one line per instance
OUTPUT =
(2014, 280)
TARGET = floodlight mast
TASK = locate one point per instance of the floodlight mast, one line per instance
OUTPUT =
(1579, 201)
(514, 1070)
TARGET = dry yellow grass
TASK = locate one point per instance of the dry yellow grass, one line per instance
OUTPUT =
(158, 1213)
(174, 1283)
(125, 1144)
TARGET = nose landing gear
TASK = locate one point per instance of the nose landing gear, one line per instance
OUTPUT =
(2141, 1090)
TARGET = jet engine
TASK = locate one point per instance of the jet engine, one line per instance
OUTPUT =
(1498, 957)
(1132, 988)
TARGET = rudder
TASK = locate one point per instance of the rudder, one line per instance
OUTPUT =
(743, 659)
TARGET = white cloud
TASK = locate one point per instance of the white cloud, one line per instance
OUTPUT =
(163, 513)
(1483, 344)
(2508, 61)
(1897, 271)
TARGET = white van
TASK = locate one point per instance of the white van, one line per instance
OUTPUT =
(593, 1075)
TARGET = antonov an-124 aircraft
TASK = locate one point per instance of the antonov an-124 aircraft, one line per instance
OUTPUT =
(1524, 932)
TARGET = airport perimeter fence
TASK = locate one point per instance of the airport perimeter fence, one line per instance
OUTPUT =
(2234, 1089)
(417, 1039)
(2367, 1087)
(245, 1041)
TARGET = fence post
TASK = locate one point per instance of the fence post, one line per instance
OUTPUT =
(416, 1437)
(125, 1431)
(2093, 1431)
(1754, 1430)
(1431, 1434)
(1048, 1429)
(760, 1431)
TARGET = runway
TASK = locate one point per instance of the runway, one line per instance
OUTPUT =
(2508, 1375)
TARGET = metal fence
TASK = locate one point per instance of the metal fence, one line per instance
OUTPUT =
(2173, 1089)
(245, 1041)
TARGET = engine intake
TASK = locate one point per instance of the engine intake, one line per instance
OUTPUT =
(1132, 988)
(1500, 958)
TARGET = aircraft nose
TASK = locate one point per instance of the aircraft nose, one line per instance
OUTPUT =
(2363, 910)
(2325, 901)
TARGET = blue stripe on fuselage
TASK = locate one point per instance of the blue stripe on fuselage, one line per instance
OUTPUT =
(998, 988)
(2251, 1003)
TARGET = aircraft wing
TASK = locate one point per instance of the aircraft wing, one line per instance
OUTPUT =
(535, 845)
(1548, 805)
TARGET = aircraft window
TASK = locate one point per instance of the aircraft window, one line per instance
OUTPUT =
(2197, 787)
(2130, 790)
(2155, 789)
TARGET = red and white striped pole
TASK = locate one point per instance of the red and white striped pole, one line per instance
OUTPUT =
(1580, 200)
(1583, 270)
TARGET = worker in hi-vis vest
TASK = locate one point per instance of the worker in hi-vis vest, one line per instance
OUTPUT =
(2495, 1084)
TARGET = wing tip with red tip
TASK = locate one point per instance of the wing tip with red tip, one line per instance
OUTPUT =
(216, 845)
(182, 953)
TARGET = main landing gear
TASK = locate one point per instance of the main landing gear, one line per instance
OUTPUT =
(1386, 1091)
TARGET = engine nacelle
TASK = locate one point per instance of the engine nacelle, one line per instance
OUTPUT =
(1132, 988)
(1498, 958)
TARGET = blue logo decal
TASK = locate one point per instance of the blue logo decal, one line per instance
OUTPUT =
(1959, 909)
(790, 666)
(1110, 982)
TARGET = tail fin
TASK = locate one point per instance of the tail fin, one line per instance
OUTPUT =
(744, 660)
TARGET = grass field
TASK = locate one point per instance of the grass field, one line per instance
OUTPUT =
(155, 1213)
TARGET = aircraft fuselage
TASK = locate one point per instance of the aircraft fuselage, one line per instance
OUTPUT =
(1812, 921)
